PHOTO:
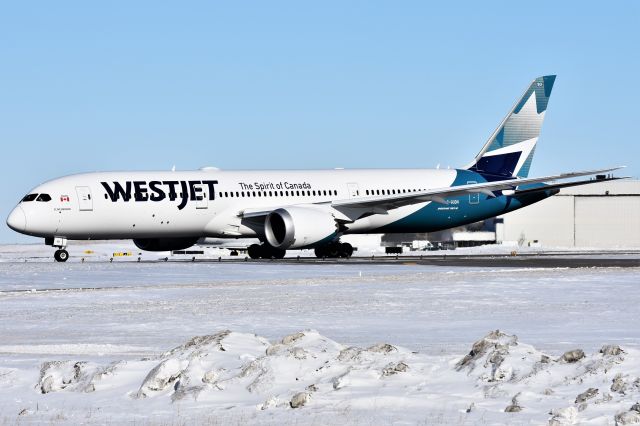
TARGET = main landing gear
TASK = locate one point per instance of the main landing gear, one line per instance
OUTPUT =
(334, 249)
(61, 255)
(265, 251)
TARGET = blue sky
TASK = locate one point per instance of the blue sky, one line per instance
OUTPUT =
(113, 85)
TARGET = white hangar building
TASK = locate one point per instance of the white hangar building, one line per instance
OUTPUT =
(599, 215)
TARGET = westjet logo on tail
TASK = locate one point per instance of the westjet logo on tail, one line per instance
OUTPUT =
(156, 190)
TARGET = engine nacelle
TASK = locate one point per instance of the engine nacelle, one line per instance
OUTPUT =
(164, 244)
(298, 227)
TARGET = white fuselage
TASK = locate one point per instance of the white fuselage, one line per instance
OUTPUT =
(207, 203)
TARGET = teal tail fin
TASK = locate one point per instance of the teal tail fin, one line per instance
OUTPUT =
(509, 151)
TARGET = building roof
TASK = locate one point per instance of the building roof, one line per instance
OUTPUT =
(616, 187)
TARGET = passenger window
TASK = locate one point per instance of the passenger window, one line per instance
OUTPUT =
(30, 197)
(44, 198)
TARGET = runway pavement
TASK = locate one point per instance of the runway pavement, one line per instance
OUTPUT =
(627, 259)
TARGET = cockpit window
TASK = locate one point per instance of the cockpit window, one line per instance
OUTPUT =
(30, 197)
(44, 197)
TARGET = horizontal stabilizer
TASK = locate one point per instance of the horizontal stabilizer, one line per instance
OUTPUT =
(566, 185)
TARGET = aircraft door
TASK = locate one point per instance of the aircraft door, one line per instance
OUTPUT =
(85, 203)
(475, 197)
(353, 190)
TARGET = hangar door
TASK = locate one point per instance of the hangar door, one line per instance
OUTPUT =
(610, 221)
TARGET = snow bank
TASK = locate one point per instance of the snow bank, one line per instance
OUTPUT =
(499, 380)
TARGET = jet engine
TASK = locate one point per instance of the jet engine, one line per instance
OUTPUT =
(164, 244)
(298, 227)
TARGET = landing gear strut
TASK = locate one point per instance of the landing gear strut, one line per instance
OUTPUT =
(334, 249)
(61, 255)
(265, 251)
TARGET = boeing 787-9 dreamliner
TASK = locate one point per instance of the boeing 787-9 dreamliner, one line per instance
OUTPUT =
(297, 209)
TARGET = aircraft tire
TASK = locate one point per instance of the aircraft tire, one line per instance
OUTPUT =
(277, 253)
(346, 250)
(269, 252)
(61, 255)
(320, 252)
(254, 251)
(333, 250)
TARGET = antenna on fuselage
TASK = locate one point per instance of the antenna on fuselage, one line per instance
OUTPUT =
(173, 169)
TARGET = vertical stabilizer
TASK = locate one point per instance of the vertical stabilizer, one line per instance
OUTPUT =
(509, 151)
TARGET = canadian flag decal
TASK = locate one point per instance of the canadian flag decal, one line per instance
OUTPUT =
(64, 198)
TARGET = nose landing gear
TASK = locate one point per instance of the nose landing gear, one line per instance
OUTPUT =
(61, 255)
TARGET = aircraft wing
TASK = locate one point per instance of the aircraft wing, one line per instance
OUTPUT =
(380, 204)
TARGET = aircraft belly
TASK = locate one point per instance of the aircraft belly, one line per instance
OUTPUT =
(458, 211)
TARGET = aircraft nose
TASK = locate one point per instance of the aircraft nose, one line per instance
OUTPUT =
(17, 220)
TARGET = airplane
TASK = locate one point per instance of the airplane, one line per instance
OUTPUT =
(298, 209)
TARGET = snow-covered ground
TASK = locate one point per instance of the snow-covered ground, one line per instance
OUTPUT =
(101, 342)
